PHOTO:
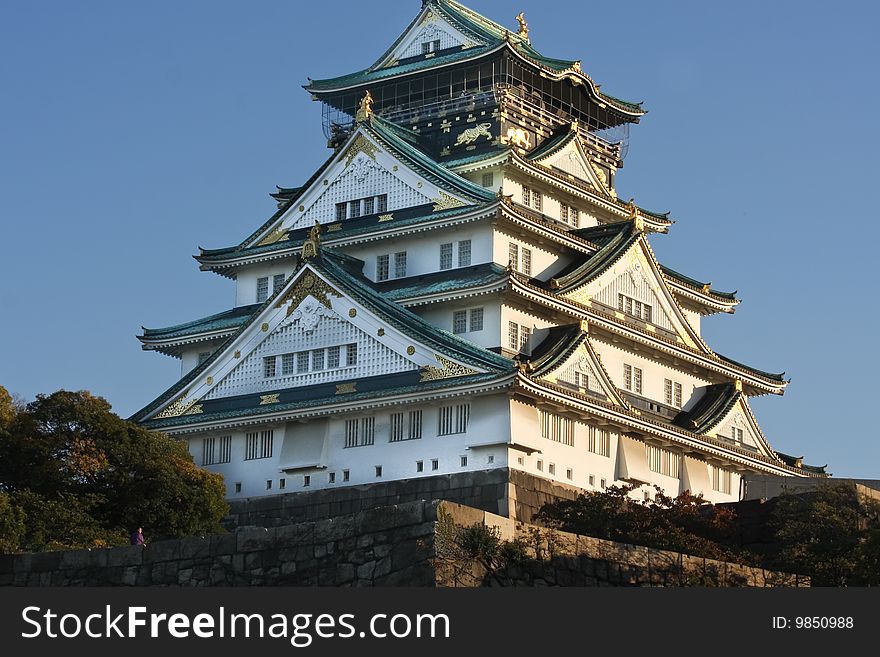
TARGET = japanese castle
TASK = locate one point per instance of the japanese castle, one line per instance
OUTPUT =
(458, 288)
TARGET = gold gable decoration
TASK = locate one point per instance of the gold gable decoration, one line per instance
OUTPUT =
(308, 284)
(180, 406)
(312, 244)
(360, 145)
(365, 108)
(446, 202)
(448, 370)
(280, 233)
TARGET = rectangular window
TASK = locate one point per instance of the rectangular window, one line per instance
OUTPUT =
(345, 475)
(488, 179)
(268, 484)
(676, 398)
(287, 364)
(513, 335)
(464, 253)
(526, 261)
(237, 486)
(537, 201)
(525, 333)
(634, 308)
(453, 419)
(446, 256)
(568, 215)
(351, 354)
(603, 484)
(459, 321)
(400, 264)
(277, 283)
(378, 470)
(395, 431)
(369, 205)
(269, 367)
(540, 465)
(262, 289)
(513, 256)
(592, 480)
(581, 380)
(415, 425)
(476, 315)
(317, 360)
(663, 461)
(563, 213)
(420, 466)
(526, 195)
(557, 428)
(632, 378)
(225, 455)
(720, 479)
(282, 484)
(341, 211)
(599, 441)
(551, 468)
(637, 380)
(331, 477)
(258, 445)
(302, 362)
(354, 209)
(435, 464)
(360, 432)
(208, 455)
(382, 268)
(333, 357)
(672, 393)
(382, 203)
(463, 461)
(737, 434)
(307, 480)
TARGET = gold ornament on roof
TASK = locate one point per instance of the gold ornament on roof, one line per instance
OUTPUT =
(312, 243)
(448, 370)
(365, 108)
(446, 202)
(307, 285)
(576, 66)
(523, 26)
(518, 137)
(470, 135)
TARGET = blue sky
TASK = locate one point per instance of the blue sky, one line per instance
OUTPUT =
(132, 133)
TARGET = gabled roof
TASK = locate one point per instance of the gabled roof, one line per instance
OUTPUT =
(614, 240)
(699, 286)
(710, 409)
(485, 36)
(798, 462)
(343, 274)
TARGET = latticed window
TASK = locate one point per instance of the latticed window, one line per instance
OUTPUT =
(382, 203)
(288, 364)
(737, 434)
(464, 253)
(277, 283)
(663, 461)
(269, 366)
(525, 333)
(453, 419)
(459, 321)
(317, 360)
(341, 211)
(526, 195)
(632, 378)
(634, 307)
(354, 209)
(476, 319)
(672, 393)
(360, 431)
(400, 264)
(382, 267)
(351, 354)
(557, 428)
(513, 256)
(526, 261)
(488, 179)
(262, 289)
(513, 335)
(302, 362)
(332, 357)
(537, 200)
(446, 256)
(720, 479)
(369, 205)
(598, 441)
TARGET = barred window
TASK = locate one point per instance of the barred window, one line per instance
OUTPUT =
(720, 479)
(537, 201)
(446, 256)
(513, 256)
(415, 425)
(208, 456)
(557, 428)
(526, 195)
(332, 357)
(317, 360)
(488, 179)
(341, 211)
(302, 362)
(262, 289)
(459, 321)
(464, 253)
(526, 261)
(369, 205)
(568, 214)
(513, 335)
(599, 441)
(525, 333)
(406, 426)
(277, 283)
(454, 419)
(360, 431)
(225, 452)
(632, 378)
(663, 461)
(737, 434)
(672, 393)
(351, 354)
(634, 308)
(400, 264)
(382, 203)
(269, 367)
(476, 315)
(354, 209)
(382, 267)
(287, 364)
(258, 445)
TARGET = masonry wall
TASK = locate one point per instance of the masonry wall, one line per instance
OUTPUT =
(401, 545)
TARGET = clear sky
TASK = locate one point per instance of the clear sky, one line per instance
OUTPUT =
(133, 133)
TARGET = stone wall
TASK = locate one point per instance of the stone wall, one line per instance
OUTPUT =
(400, 545)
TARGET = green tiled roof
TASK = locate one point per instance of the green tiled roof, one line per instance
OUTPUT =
(798, 462)
(551, 145)
(443, 281)
(779, 378)
(693, 282)
(560, 343)
(228, 319)
(613, 239)
(710, 409)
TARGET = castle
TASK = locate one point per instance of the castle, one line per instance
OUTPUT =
(459, 288)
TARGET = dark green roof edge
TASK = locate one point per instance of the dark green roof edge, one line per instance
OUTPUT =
(233, 318)
(623, 236)
(462, 278)
(710, 409)
(693, 282)
(778, 378)
(560, 343)
(797, 462)
(551, 145)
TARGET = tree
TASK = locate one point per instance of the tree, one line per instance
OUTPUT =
(84, 476)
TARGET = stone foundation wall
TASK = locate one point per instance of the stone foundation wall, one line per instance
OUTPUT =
(400, 545)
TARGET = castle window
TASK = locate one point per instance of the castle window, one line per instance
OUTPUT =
(341, 211)
(569, 474)
(369, 205)
(446, 256)
(225, 455)
(632, 378)
(307, 480)
(464, 253)
(598, 441)
(459, 321)
(317, 360)
(488, 179)
(331, 477)
(672, 393)
(262, 289)
(737, 434)
(354, 209)
(400, 264)
(720, 479)
(382, 267)
(476, 315)
(526, 261)
(277, 283)
(513, 335)
(360, 432)
(351, 354)
(453, 419)
(302, 362)
(532, 198)
(520, 261)
(464, 461)
(568, 214)
(539, 464)
(592, 480)
(382, 203)
(634, 307)
(282, 484)
(287, 364)
(406, 427)
(345, 475)
(663, 461)
(603, 484)
(513, 256)
(208, 451)
(258, 445)
(237, 486)
(557, 428)
(435, 464)
(378, 470)
(332, 357)
(430, 46)
(269, 367)
(420, 466)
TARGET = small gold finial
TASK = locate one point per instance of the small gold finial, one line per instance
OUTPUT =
(365, 109)
(573, 126)
(313, 242)
(585, 326)
(523, 26)
(633, 210)
(707, 287)
(576, 66)
(738, 385)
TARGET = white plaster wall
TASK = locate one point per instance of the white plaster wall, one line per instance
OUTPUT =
(246, 280)
(653, 373)
(693, 318)
(189, 357)
(440, 315)
(522, 318)
(590, 215)
(545, 262)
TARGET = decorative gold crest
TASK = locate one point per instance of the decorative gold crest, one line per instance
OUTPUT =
(269, 399)
(346, 388)
(446, 202)
(470, 135)
(447, 370)
(360, 145)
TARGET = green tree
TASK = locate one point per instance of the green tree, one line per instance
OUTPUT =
(85, 476)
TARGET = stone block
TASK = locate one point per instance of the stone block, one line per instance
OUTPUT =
(162, 551)
(255, 540)
(195, 548)
(45, 561)
(132, 555)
